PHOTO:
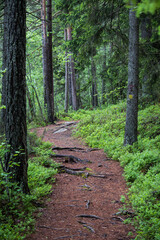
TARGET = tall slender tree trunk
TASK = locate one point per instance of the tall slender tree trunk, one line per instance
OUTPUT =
(104, 68)
(47, 58)
(44, 47)
(15, 125)
(132, 89)
(94, 84)
(72, 70)
(66, 75)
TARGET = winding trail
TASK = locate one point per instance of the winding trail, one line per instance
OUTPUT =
(76, 201)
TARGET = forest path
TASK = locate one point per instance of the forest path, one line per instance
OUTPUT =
(73, 196)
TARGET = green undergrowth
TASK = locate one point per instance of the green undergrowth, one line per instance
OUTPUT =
(104, 128)
(17, 210)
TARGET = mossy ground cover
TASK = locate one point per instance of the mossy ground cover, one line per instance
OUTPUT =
(104, 128)
(17, 210)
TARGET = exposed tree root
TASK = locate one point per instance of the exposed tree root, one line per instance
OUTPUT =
(75, 149)
(79, 172)
(89, 216)
(70, 158)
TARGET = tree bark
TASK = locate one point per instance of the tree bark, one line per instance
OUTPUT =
(94, 84)
(66, 75)
(44, 51)
(132, 89)
(47, 58)
(16, 161)
(104, 68)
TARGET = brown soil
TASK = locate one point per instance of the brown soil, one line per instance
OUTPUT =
(74, 195)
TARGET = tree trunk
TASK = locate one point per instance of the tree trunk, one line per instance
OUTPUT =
(104, 68)
(132, 89)
(94, 84)
(15, 126)
(44, 51)
(47, 59)
(66, 75)
(72, 70)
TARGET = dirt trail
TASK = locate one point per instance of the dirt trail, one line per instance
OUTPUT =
(74, 195)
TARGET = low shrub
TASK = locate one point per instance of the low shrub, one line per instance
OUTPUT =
(16, 208)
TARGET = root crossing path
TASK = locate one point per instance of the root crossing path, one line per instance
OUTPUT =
(82, 206)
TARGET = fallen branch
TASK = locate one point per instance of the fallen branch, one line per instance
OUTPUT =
(70, 158)
(89, 216)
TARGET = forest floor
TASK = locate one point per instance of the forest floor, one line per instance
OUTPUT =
(82, 207)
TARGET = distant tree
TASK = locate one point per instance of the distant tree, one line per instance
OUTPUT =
(103, 75)
(47, 58)
(66, 75)
(132, 89)
(72, 72)
(15, 123)
(94, 95)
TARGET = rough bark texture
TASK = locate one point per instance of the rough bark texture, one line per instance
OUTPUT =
(44, 51)
(16, 129)
(104, 75)
(66, 75)
(132, 89)
(94, 84)
(47, 58)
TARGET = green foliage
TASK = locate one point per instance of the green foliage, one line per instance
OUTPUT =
(16, 208)
(104, 128)
(145, 6)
